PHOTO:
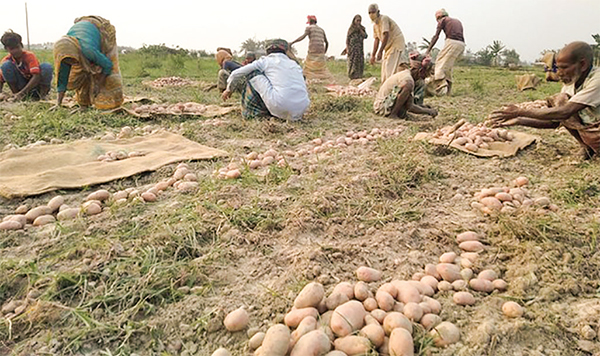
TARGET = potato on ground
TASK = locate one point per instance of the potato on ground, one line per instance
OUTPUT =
(348, 318)
(373, 332)
(315, 343)
(353, 345)
(236, 320)
(367, 274)
(401, 343)
(396, 320)
(295, 316)
(277, 341)
(445, 334)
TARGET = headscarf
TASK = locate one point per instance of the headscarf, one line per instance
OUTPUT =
(421, 63)
(356, 28)
(310, 18)
(222, 56)
(441, 13)
(277, 44)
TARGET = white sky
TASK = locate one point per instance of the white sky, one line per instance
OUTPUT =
(528, 26)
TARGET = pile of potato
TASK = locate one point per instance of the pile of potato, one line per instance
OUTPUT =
(537, 104)
(350, 90)
(170, 82)
(112, 156)
(474, 137)
(189, 108)
(507, 200)
(351, 137)
(355, 319)
(232, 171)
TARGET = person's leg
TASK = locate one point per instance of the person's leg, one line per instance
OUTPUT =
(222, 81)
(400, 107)
(13, 77)
(46, 73)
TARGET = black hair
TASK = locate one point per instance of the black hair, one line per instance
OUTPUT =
(11, 39)
(275, 50)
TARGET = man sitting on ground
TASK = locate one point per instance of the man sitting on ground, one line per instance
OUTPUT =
(21, 70)
(275, 85)
(228, 65)
(395, 96)
(577, 108)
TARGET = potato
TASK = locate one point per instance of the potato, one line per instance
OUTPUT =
(488, 274)
(10, 225)
(325, 318)
(233, 174)
(430, 281)
(307, 325)
(401, 343)
(399, 307)
(407, 293)
(448, 257)
(120, 195)
(373, 332)
(37, 211)
(44, 220)
(335, 300)
(370, 304)
(471, 246)
(445, 334)
(221, 352)
(396, 320)
(17, 217)
(481, 285)
(466, 274)
(449, 272)
(466, 263)
(418, 276)
(345, 288)
(367, 274)
(276, 342)
(187, 186)
(370, 319)
(521, 181)
(56, 202)
(544, 202)
(91, 209)
(267, 160)
(336, 353)
(362, 291)
(149, 197)
(423, 288)
(461, 141)
(413, 312)
(444, 286)
(384, 300)
(503, 197)
(310, 296)
(492, 203)
(434, 305)
(322, 307)
(471, 256)
(459, 284)
(472, 147)
(463, 298)
(500, 285)
(68, 214)
(430, 269)
(236, 320)
(347, 318)
(384, 350)
(22, 209)
(425, 307)
(181, 172)
(100, 195)
(315, 343)
(390, 288)
(295, 316)
(256, 341)
(467, 236)
(429, 321)
(379, 315)
(352, 345)
(512, 310)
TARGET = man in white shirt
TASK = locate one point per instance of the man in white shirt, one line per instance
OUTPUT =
(577, 107)
(275, 85)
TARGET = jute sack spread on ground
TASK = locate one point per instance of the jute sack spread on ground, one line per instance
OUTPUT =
(41, 169)
(499, 149)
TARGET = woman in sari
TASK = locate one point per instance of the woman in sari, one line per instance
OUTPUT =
(86, 61)
(355, 49)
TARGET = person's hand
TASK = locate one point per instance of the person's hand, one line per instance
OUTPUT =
(372, 60)
(433, 112)
(379, 56)
(344, 52)
(226, 95)
(504, 123)
(504, 116)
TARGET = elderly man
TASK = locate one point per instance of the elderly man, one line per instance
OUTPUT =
(275, 85)
(389, 43)
(453, 48)
(315, 64)
(396, 95)
(577, 108)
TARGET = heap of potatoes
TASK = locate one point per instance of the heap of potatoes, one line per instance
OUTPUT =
(355, 319)
(507, 200)
(190, 108)
(170, 82)
(350, 90)
(474, 137)
(537, 104)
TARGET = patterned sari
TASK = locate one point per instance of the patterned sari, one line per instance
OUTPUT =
(84, 74)
(356, 54)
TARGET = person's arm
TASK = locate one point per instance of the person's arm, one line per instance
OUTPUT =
(301, 37)
(384, 41)
(433, 40)
(245, 70)
(418, 109)
(374, 53)
(559, 113)
(33, 82)
(99, 58)
(326, 42)
(62, 81)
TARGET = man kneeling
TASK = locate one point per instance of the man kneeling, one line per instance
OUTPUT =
(395, 96)
(275, 85)
(577, 108)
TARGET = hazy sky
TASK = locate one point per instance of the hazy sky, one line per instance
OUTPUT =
(528, 26)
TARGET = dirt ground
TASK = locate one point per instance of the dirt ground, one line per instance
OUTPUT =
(158, 278)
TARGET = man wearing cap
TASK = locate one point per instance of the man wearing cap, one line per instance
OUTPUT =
(453, 48)
(275, 85)
(315, 65)
(389, 46)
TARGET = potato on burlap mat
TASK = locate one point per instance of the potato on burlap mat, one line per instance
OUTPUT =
(496, 149)
(41, 169)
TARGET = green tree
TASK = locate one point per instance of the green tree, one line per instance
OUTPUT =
(495, 50)
(252, 45)
(510, 56)
(484, 57)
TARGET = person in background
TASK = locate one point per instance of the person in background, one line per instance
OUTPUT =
(422, 64)
(86, 61)
(315, 64)
(355, 48)
(21, 70)
(274, 85)
(577, 107)
(228, 65)
(453, 48)
(389, 46)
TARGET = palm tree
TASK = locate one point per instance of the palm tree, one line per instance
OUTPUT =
(496, 49)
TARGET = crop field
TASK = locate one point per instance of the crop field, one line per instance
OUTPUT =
(158, 278)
